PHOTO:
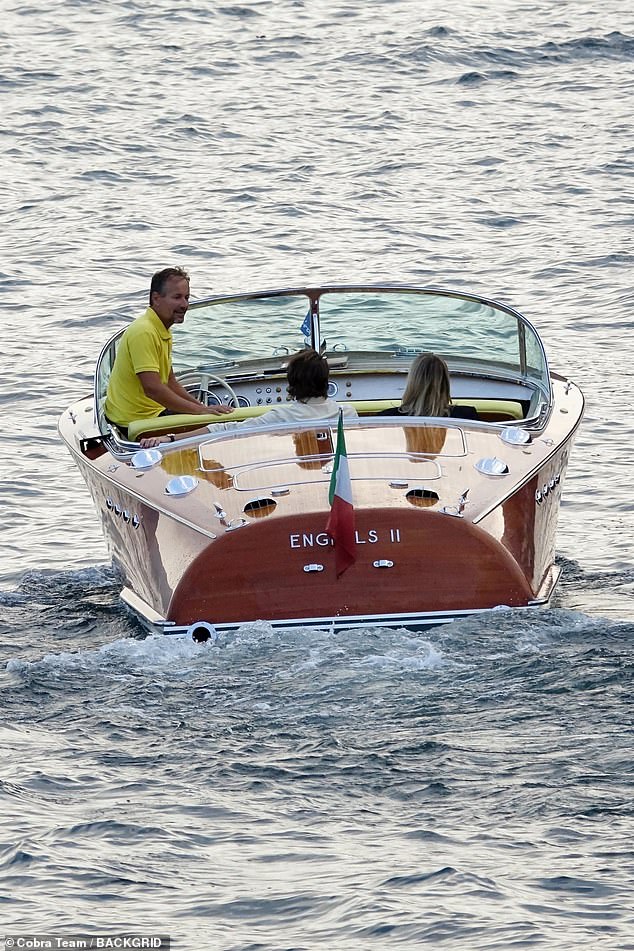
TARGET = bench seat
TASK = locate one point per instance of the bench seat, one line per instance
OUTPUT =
(490, 410)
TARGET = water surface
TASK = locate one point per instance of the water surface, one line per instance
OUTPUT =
(469, 788)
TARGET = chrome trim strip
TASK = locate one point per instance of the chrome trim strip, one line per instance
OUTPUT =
(418, 621)
(547, 587)
(140, 607)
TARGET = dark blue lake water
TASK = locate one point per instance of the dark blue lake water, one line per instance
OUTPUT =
(469, 788)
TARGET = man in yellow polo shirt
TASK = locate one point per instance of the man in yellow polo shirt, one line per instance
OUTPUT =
(142, 384)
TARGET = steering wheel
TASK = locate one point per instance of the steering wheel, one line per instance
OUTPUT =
(207, 378)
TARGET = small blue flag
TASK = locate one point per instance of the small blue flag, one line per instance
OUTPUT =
(306, 326)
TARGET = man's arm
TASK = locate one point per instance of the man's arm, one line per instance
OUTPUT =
(175, 397)
(180, 390)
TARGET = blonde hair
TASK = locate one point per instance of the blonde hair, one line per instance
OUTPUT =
(427, 391)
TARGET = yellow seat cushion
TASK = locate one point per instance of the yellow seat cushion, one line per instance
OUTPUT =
(495, 408)
(504, 408)
(179, 421)
(511, 409)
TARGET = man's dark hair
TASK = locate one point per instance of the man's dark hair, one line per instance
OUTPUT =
(307, 375)
(160, 279)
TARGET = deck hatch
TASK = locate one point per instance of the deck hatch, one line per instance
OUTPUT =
(260, 508)
(422, 497)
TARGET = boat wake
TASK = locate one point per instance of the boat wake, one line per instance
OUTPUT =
(607, 594)
(80, 615)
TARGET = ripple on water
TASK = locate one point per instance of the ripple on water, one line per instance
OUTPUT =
(465, 786)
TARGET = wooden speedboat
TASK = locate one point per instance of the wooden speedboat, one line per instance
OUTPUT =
(453, 516)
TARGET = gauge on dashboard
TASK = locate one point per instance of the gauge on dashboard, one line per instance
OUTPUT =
(214, 400)
(333, 389)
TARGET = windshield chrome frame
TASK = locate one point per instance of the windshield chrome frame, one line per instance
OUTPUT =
(315, 293)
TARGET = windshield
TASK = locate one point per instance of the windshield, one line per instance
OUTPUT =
(394, 320)
(413, 322)
(231, 330)
(469, 332)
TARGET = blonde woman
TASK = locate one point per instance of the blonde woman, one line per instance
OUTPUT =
(427, 391)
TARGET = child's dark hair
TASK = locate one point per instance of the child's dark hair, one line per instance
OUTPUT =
(307, 375)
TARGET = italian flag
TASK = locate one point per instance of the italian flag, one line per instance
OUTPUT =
(340, 525)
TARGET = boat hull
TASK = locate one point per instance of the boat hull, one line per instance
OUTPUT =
(417, 562)
(415, 566)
